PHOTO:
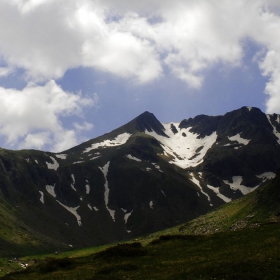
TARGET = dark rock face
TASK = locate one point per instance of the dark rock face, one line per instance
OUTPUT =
(141, 177)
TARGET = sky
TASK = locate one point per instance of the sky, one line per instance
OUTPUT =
(72, 70)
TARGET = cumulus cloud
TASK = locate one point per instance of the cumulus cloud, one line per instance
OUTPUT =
(31, 117)
(132, 39)
(135, 40)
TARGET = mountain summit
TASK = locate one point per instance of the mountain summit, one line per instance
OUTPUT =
(141, 177)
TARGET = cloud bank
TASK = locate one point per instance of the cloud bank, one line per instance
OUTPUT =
(139, 41)
(33, 116)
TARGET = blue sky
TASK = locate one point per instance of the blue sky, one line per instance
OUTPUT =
(74, 70)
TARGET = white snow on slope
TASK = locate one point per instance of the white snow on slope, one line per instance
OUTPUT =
(89, 206)
(217, 191)
(197, 183)
(276, 133)
(42, 197)
(104, 170)
(61, 156)
(162, 192)
(50, 190)
(77, 162)
(151, 204)
(126, 216)
(239, 139)
(73, 178)
(95, 157)
(183, 149)
(87, 189)
(236, 185)
(267, 175)
(72, 185)
(119, 140)
(73, 210)
(157, 167)
(133, 158)
(53, 165)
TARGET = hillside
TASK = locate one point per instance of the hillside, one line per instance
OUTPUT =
(143, 177)
(240, 240)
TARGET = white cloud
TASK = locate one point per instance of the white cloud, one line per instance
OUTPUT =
(33, 114)
(35, 141)
(5, 71)
(83, 126)
(136, 40)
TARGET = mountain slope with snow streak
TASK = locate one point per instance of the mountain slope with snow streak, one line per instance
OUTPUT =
(142, 177)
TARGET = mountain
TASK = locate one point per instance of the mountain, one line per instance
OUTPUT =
(137, 179)
(179, 252)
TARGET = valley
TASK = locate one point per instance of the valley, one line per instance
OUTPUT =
(205, 179)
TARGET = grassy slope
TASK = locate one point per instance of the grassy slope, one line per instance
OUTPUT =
(212, 246)
(245, 254)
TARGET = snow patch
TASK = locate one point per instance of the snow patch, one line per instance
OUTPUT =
(104, 170)
(53, 165)
(249, 108)
(185, 151)
(151, 204)
(36, 161)
(148, 169)
(50, 190)
(72, 185)
(61, 156)
(42, 197)
(77, 162)
(239, 139)
(276, 133)
(197, 183)
(266, 175)
(27, 159)
(73, 210)
(126, 216)
(236, 185)
(73, 178)
(133, 158)
(162, 192)
(89, 206)
(87, 189)
(95, 208)
(157, 166)
(95, 157)
(119, 140)
(217, 192)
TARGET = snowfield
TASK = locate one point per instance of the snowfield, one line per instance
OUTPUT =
(236, 185)
(119, 140)
(185, 151)
(239, 139)
(53, 165)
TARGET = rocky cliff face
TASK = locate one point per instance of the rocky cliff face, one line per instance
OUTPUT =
(141, 177)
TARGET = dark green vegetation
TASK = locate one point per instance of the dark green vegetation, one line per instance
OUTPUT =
(129, 183)
(245, 254)
(246, 245)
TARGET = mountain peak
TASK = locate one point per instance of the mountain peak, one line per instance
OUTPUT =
(148, 121)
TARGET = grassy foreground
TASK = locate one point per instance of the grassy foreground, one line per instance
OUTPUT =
(252, 253)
